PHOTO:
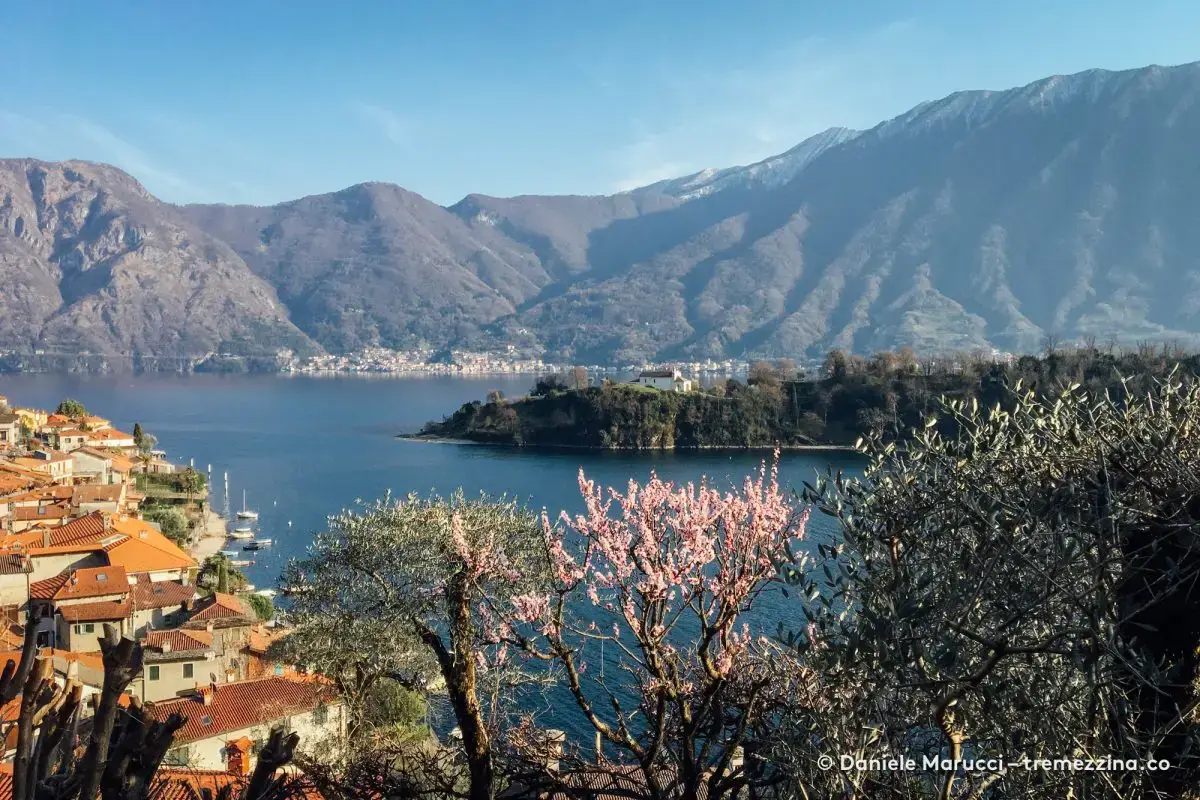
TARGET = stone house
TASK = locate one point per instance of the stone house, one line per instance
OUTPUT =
(10, 431)
(70, 609)
(93, 466)
(231, 621)
(177, 663)
(227, 722)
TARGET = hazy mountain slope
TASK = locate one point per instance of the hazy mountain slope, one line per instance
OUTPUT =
(90, 262)
(768, 173)
(1066, 206)
(375, 264)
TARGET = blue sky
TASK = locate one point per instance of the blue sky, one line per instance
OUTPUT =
(257, 102)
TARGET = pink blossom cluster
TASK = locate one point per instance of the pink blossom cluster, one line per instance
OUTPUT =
(658, 549)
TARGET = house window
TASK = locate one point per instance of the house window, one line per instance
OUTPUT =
(89, 627)
(187, 670)
(154, 673)
(79, 629)
(177, 757)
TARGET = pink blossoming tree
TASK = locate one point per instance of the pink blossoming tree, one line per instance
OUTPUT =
(672, 571)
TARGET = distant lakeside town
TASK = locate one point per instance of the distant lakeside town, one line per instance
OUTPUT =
(380, 360)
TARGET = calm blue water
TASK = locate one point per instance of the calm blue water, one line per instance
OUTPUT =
(303, 448)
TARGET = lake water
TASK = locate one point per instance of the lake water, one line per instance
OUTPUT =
(302, 448)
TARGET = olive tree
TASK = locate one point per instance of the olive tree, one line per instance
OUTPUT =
(1019, 583)
(415, 572)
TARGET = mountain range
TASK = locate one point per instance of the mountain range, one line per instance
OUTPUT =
(1068, 207)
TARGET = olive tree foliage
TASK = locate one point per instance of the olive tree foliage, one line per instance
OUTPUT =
(1027, 586)
(415, 571)
(356, 652)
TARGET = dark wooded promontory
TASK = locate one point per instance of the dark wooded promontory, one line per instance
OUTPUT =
(774, 407)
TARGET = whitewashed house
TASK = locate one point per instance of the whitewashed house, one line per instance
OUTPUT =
(668, 380)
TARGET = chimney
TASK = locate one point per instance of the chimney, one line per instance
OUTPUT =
(45, 537)
(165, 647)
(553, 748)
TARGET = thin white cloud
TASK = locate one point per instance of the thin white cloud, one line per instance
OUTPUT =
(742, 113)
(23, 132)
(129, 156)
(394, 127)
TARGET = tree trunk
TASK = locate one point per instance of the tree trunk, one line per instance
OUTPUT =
(458, 670)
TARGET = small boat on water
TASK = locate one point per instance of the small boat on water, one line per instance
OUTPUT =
(242, 562)
(252, 546)
(246, 513)
(229, 553)
(263, 542)
(242, 532)
(266, 592)
(291, 590)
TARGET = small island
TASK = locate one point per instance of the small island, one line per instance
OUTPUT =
(849, 397)
(776, 406)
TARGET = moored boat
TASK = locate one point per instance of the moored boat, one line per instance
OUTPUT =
(246, 513)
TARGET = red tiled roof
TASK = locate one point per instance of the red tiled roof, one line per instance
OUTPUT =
(79, 530)
(175, 639)
(44, 493)
(261, 638)
(241, 705)
(609, 782)
(47, 511)
(15, 564)
(220, 606)
(189, 784)
(87, 582)
(97, 493)
(141, 548)
(108, 434)
(160, 594)
(94, 612)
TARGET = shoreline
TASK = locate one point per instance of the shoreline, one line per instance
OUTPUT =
(415, 437)
(211, 540)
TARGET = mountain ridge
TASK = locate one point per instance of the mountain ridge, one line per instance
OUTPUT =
(984, 219)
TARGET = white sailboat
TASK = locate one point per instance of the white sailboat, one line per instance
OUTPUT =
(246, 513)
